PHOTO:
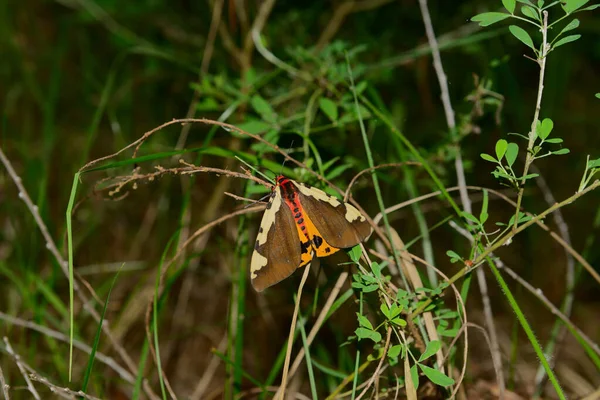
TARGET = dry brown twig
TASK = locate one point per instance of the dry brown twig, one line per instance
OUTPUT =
(51, 246)
(22, 368)
(101, 357)
(4, 385)
(462, 184)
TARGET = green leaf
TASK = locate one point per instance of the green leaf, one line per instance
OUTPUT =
(394, 351)
(561, 152)
(483, 215)
(489, 18)
(554, 140)
(526, 2)
(431, 349)
(452, 254)
(509, 5)
(363, 333)
(370, 288)
(544, 128)
(414, 374)
(590, 8)
(522, 35)
(501, 146)
(597, 94)
(511, 153)
(374, 336)
(254, 126)
(376, 270)
(385, 310)
(565, 40)
(355, 253)
(594, 164)
(263, 108)
(529, 176)
(570, 26)
(530, 12)
(364, 322)
(399, 321)
(337, 171)
(470, 217)
(572, 5)
(489, 158)
(436, 376)
(329, 108)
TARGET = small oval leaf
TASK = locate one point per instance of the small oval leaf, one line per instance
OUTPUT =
(436, 376)
(329, 108)
(565, 40)
(522, 35)
(489, 18)
(509, 5)
(511, 153)
(432, 348)
(501, 146)
(572, 5)
(489, 158)
(530, 12)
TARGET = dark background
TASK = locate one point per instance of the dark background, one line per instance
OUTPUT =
(80, 80)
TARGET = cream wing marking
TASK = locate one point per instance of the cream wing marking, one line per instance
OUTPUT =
(352, 214)
(258, 260)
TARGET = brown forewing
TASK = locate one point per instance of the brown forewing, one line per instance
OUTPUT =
(281, 249)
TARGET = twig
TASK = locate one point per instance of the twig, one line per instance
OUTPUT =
(505, 239)
(5, 387)
(20, 365)
(66, 392)
(538, 105)
(288, 353)
(206, 57)
(378, 369)
(460, 174)
(50, 245)
(109, 361)
(319, 322)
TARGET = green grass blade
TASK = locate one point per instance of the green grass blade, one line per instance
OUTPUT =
(90, 364)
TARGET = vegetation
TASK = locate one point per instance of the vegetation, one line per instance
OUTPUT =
(138, 139)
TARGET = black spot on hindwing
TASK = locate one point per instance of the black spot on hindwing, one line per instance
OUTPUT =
(318, 241)
(304, 246)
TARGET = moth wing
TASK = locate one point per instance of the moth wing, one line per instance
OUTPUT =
(277, 251)
(341, 224)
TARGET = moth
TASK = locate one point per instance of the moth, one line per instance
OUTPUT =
(301, 222)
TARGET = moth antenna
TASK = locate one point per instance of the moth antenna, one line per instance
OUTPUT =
(285, 159)
(255, 170)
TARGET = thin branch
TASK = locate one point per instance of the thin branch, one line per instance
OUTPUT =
(21, 366)
(538, 105)
(290, 343)
(62, 391)
(4, 385)
(460, 174)
(101, 357)
(50, 245)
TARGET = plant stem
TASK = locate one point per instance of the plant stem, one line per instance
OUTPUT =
(502, 241)
(532, 134)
